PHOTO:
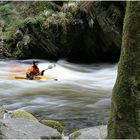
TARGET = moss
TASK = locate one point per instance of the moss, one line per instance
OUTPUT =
(7, 12)
(124, 118)
(15, 14)
(54, 124)
(23, 114)
(30, 20)
(75, 134)
(11, 29)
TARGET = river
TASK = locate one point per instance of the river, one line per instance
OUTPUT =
(80, 98)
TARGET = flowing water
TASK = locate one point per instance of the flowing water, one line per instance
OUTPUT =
(80, 98)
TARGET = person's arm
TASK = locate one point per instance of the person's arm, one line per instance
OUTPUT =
(42, 72)
(29, 74)
(29, 70)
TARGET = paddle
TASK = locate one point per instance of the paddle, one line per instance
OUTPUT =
(17, 69)
(49, 67)
(23, 69)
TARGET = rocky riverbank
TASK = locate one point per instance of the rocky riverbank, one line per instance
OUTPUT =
(76, 31)
(97, 132)
(23, 125)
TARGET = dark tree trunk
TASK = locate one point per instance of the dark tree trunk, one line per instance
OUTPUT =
(125, 111)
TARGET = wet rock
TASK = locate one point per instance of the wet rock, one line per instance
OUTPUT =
(24, 129)
(98, 132)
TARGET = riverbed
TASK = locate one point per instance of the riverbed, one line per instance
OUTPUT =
(80, 98)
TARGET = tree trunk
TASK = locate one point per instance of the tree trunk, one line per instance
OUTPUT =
(125, 108)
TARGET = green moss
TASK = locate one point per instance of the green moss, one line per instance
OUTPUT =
(33, 20)
(124, 118)
(11, 29)
(75, 134)
(54, 124)
(23, 114)
(5, 8)
(16, 14)
(8, 14)
(41, 21)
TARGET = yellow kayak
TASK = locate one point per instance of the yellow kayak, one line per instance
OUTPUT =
(40, 77)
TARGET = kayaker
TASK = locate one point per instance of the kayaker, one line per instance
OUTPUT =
(34, 71)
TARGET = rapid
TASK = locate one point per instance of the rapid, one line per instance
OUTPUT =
(80, 98)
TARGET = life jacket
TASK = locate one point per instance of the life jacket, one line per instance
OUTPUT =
(33, 70)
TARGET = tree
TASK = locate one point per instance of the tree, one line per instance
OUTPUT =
(124, 120)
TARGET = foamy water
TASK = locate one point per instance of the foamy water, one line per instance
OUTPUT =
(80, 97)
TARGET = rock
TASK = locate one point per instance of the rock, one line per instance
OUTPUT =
(23, 114)
(54, 124)
(101, 33)
(2, 112)
(98, 132)
(18, 35)
(79, 32)
(15, 128)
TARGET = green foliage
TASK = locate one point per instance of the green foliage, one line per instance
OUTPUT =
(7, 13)
(30, 20)
(11, 20)
(11, 29)
(40, 20)
(35, 8)
(5, 8)
(23, 114)
(7, 35)
(13, 15)
(54, 124)
(14, 26)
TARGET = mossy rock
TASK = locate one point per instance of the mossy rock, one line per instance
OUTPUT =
(54, 124)
(75, 134)
(23, 114)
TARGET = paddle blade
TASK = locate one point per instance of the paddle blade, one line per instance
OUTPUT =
(50, 67)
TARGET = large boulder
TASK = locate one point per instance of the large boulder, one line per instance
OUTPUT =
(47, 37)
(23, 129)
(100, 37)
(79, 32)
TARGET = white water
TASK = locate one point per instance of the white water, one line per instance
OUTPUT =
(80, 97)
